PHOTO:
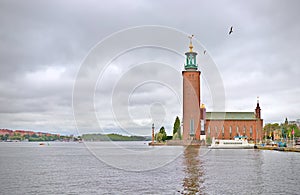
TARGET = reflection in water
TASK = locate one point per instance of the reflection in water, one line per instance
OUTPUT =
(193, 180)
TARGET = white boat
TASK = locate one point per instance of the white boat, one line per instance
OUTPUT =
(239, 142)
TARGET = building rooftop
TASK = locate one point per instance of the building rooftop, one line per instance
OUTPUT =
(230, 116)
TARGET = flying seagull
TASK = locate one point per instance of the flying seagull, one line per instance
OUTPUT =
(204, 52)
(231, 30)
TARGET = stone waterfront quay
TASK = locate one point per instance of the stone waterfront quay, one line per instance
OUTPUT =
(178, 143)
(283, 149)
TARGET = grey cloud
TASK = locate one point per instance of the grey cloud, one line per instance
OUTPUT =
(261, 57)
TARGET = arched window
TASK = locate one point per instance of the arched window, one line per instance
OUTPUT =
(237, 130)
(244, 130)
(208, 130)
(251, 131)
(230, 131)
(216, 131)
(223, 130)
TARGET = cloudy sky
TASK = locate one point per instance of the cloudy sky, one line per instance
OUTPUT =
(44, 46)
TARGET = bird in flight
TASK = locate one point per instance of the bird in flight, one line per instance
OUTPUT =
(231, 30)
(204, 52)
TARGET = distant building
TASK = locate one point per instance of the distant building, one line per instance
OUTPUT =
(23, 132)
(6, 132)
(296, 122)
(199, 124)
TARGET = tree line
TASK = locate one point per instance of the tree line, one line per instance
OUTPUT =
(162, 136)
(285, 130)
(33, 137)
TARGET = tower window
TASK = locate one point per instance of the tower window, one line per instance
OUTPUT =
(192, 129)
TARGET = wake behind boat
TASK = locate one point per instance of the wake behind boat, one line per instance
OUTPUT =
(239, 142)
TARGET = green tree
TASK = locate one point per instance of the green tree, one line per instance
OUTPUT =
(26, 136)
(16, 136)
(269, 128)
(163, 132)
(176, 129)
(158, 137)
(285, 128)
(208, 140)
(34, 136)
(5, 137)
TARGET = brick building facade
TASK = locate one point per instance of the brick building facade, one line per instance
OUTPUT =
(199, 124)
(227, 125)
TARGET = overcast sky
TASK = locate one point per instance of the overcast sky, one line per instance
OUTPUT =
(44, 44)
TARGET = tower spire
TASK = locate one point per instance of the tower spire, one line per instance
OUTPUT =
(191, 63)
(191, 43)
(257, 109)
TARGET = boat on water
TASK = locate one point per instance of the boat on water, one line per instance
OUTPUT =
(239, 142)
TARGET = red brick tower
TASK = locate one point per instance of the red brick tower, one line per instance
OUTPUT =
(191, 96)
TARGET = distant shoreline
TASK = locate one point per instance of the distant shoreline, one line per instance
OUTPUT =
(112, 137)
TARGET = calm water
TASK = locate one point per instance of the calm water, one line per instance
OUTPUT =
(136, 168)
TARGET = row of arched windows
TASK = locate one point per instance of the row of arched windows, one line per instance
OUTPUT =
(214, 131)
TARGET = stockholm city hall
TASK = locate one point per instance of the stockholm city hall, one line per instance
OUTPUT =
(199, 124)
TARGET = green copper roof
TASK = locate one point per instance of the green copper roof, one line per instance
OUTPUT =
(230, 116)
(191, 60)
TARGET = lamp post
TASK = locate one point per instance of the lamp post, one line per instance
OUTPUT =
(293, 132)
(152, 133)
